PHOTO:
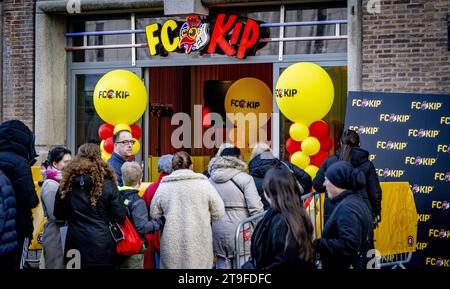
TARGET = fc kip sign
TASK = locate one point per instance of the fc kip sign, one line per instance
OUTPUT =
(230, 35)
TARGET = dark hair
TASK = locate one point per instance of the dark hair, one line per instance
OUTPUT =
(181, 160)
(56, 155)
(284, 194)
(232, 152)
(116, 136)
(349, 139)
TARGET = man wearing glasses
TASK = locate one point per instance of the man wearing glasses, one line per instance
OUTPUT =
(123, 145)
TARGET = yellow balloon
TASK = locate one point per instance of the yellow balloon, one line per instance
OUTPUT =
(105, 156)
(120, 96)
(250, 95)
(136, 147)
(122, 126)
(304, 92)
(311, 171)
(102, 148)
(310, 146)
(300, 159)
(298, 131)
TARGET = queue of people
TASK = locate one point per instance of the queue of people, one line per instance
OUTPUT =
(186, 220)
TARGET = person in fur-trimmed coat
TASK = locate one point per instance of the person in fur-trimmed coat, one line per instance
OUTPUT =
(240, 196)
(189, 204)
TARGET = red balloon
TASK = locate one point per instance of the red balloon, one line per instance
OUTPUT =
(109, 145)
(293, 146)
(318, 129)
(105, 131)
(326, 144)
(136, 131)
(318, 159)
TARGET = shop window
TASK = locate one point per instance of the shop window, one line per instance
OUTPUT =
(87, 119)
(297, 14)
(101, 24)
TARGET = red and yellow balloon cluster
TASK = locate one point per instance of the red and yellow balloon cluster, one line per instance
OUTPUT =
(308, 146)
(106, 133)
(120, 99)
(304, 95)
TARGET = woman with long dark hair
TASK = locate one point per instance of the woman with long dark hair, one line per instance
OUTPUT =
(89, 200)
(284, 237)
(351, 152)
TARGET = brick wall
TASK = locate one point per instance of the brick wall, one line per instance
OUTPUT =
(18, 60)
(405, 47)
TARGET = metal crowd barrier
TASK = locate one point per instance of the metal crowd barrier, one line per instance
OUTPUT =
(396, 261)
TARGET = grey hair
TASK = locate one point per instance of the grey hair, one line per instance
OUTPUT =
(222, 147)
(259, 149)
(165, 164)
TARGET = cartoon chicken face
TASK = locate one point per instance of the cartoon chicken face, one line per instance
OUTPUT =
(193, 34)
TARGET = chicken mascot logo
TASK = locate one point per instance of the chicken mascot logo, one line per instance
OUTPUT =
(194, 34)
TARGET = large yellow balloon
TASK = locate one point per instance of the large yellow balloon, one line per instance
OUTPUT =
(311, 171)
(136, 147)
(120, 97)
(249, 96)
(310, 146)
(300, 159)
(298, 131)
(304, 92)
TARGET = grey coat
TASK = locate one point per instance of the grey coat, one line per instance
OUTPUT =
(239, 205)
(51, 238)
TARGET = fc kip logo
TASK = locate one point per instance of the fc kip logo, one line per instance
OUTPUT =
(285, 92)
(424, 105)
(394, 117)
(390, 145)
(366, 103)
(111, 93)
(421, 189)
(364, 129)
(420, 161)
(422, 133)
(244, 103)
(388, 173)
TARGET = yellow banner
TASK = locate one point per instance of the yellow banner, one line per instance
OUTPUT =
(397, 232)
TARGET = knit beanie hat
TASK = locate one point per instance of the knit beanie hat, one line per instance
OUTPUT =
(343, 175)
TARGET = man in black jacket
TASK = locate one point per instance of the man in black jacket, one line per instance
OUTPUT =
(348, 233)
(17, 154)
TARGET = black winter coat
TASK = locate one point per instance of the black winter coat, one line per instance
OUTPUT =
(258, 168)
(359, 158)
(16, 153)
(8, 234)
(88, 229)
(348, 234)
(268, 245)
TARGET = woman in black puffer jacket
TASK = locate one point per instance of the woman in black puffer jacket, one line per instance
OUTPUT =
(359, 158)
(89, 200)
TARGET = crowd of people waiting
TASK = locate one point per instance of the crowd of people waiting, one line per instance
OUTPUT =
(186, 220)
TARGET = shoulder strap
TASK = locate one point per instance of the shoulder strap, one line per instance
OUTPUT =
(240, 189)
